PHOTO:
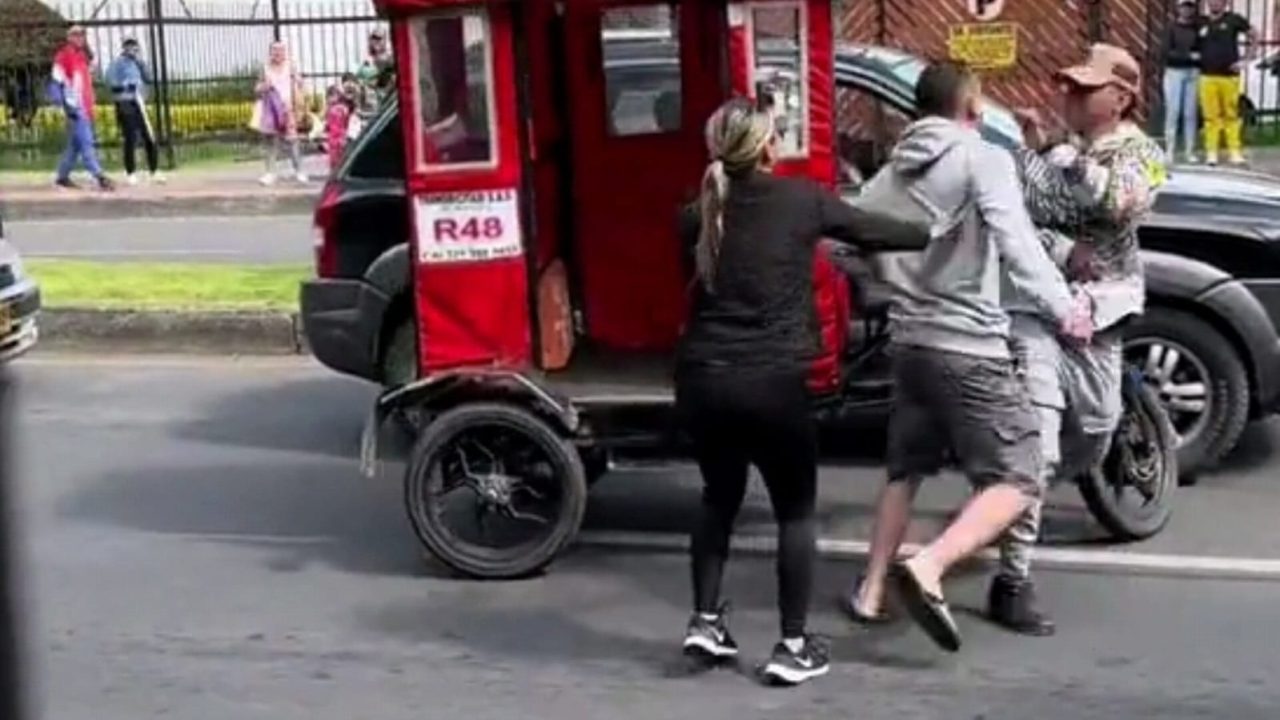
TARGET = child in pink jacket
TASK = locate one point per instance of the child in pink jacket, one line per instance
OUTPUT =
(337, 119)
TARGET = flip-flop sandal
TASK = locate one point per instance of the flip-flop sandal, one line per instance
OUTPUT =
(929, 611)
(849, 606)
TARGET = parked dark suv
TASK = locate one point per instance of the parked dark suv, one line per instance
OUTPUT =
(1208, 341)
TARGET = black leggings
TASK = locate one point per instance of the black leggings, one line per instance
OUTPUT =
(134, 128)
(737, 418)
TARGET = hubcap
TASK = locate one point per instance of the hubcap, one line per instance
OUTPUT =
(1179, 378)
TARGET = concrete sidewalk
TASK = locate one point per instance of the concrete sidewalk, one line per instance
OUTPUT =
(221, 190)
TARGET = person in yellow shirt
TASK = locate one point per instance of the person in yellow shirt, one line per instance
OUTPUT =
(1220, 66)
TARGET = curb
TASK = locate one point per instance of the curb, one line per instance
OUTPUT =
(20, 206)
(219, 333)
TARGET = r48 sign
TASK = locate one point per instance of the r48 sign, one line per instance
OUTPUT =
(468, 227)
(474, 228)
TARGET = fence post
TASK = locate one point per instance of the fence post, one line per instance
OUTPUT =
(275, 20)
(1097, 21)
(157, 59)
(160, 55)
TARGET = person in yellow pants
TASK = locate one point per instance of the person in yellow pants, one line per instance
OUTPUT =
(1220, 105)
(1220, 68)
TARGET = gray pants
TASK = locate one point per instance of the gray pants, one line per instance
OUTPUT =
(276, 143)
(1076, 396)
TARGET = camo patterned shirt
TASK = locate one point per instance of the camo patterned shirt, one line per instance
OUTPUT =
(1097, 195)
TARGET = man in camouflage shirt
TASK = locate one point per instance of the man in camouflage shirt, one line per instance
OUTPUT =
(1087, 195)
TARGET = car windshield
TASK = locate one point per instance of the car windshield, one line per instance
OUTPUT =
(906, 69)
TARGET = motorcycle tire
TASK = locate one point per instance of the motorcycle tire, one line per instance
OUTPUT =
(559, 465)
(1142, 461)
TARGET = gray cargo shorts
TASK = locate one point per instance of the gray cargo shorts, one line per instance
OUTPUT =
(975, 408)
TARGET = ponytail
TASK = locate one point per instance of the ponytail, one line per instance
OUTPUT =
(715, 189)
(737, 136)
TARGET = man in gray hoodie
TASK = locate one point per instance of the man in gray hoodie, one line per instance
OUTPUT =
(955, 388)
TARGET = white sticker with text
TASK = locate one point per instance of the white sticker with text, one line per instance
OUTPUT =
(468, 226)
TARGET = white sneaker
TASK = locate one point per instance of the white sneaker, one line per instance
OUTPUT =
(132, 179)
(1236, 158)
(159, 178)
(268, 179)
(1211, 158)
(302, 178)
(1191, 158)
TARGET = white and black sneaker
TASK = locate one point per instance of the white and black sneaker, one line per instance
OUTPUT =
(792, 668)
(709, 639)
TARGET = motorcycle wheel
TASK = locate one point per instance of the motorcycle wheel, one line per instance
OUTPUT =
(1131, 492)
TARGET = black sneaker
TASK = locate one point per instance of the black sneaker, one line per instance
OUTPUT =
(710, 639)
(1012, 605)
(105, 184)
(66, 184)
(792, 668)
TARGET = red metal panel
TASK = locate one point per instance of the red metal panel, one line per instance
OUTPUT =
(468, 313)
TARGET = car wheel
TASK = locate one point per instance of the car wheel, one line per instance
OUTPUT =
(1200, 380)
(400, 355)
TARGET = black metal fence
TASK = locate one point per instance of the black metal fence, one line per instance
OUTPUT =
(1259, 76)
(205, 56)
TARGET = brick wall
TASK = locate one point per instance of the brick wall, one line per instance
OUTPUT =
(1052, 33)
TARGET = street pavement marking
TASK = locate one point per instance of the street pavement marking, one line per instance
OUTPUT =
(1045, 557)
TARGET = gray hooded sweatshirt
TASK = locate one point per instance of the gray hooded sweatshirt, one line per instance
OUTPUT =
(950, 299)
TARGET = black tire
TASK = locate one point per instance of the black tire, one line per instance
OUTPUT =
(399, 361)
(562, 478)
(1203, 441)
(1141, 465)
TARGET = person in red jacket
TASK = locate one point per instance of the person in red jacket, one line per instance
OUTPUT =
(71, 86)
(339, 116)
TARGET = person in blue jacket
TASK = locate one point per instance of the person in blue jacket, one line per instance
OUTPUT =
(128, 76)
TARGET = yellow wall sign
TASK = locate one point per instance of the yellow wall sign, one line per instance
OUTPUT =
(984, 46)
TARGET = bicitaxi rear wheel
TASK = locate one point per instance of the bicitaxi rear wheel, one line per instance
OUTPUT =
(494, 491)
(1131, 493)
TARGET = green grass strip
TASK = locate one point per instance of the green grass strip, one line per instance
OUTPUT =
(168, 286)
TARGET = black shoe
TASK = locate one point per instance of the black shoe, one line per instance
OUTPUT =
(1012, 605)
(710, 639)
(792, 668)
(66, 184)
(105, 184)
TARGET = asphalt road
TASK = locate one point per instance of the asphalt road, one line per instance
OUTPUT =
(261, 239)
(200, 545)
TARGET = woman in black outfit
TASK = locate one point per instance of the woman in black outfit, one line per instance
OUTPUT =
(741, 368)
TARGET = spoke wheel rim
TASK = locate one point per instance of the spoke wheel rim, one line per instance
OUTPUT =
(1135, 466)
(492, 491)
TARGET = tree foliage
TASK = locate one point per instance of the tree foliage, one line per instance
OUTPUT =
(30, 32)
